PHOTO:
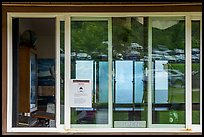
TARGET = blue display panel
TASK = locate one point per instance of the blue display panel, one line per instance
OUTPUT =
(84, 70)
(139, 80)
(161, 81)
(103, 82)
(124, 85)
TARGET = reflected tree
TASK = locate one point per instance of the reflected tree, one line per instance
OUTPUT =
(89, 37)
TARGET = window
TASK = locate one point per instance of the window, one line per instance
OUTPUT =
(89, 61)
(168, 81)
(129, 63)
(135, 68)
(34, 72)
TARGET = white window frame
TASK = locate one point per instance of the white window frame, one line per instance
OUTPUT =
(198, 126)
(66, 126)
(10, 77)
(109, 20)
(150, 78)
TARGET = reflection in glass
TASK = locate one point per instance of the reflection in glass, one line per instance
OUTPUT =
(196, 72)
(139, 81)
(103, 82)
(161, 82)
(168, 58)
(84, 69)
(62, 72)
(123, 79)
(89, 60)
(129, 62)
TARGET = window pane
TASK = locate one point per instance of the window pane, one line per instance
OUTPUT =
(196, 71)
(103, 82)
(62, 72)
(129, 63)
(168, 57)
(35, 73)
(123, 79)
(89, 60)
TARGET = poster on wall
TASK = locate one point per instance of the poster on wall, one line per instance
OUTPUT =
(81, 93)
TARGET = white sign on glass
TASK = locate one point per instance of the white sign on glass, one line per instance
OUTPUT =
(81, 93)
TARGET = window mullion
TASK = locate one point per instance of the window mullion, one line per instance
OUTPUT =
(201, 71)
(149, 91)
(188, 78)
(110, 74)
(67, 109)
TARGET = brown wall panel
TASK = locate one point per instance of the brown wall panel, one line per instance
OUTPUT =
(4, 71)
(177, 8)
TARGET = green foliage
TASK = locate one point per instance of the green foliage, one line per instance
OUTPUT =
(124, 35)
(172, 37)
(177, 66)
(89, 37)
(195, 34)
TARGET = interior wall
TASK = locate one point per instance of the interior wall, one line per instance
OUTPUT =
(45, 31)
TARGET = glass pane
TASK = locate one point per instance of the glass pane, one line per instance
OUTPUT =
(123, 80)
(62, 72)
(139, 81)
(196, 72)
(103, 82)
(129, 63)
(89, 61)
(161, 82)
(168, 57)
(34, 73)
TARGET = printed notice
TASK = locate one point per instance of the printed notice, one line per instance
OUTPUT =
(81, 93)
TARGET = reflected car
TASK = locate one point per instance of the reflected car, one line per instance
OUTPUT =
(195, 58)
(83, 56)
(171, 59)
(175, 77)
(103, 57)
(156, 57)
(132, 57)
(180, 58)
